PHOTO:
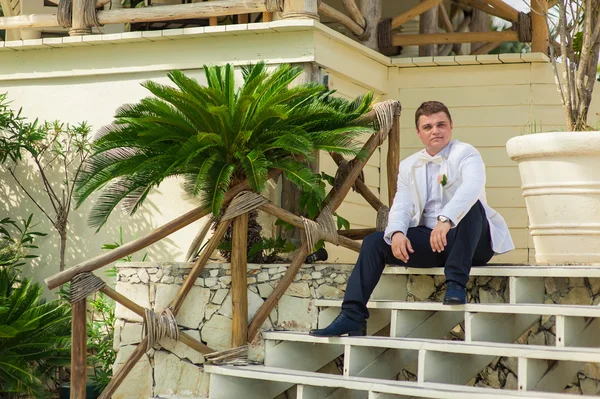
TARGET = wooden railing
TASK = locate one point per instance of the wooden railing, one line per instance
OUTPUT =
(364, 23)
(83, 19)
(386, 115)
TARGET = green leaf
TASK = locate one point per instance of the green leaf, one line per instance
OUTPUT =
(342, 223)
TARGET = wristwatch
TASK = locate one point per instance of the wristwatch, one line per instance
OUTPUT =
(444, 219)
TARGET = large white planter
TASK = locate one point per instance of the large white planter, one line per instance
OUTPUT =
(560, 173)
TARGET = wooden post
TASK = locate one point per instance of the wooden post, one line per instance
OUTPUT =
(300, 9)
(480, 22)
(393, 159)
(79, 28)
(243, 18)
(371, 10)
(239, 277)
(78, 349)
(267, 17)
(428, 23)
(539, 26)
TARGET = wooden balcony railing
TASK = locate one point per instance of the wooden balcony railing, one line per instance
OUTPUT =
(239, 201)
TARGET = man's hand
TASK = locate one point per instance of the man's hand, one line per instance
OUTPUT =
(438, 237)
(401, 247)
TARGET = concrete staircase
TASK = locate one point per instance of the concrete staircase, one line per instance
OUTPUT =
(413, 336)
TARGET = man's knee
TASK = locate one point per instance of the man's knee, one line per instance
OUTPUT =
(373, 241)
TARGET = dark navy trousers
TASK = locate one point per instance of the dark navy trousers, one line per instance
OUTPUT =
(468, 244)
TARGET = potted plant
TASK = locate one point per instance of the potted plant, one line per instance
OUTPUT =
(559, 170)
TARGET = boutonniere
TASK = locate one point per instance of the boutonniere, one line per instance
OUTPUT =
(442, 179)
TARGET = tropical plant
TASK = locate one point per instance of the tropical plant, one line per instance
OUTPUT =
(16, 239)
(574, 50)
(215, 136)
(100, 331)
(34, 336)
(50, 148)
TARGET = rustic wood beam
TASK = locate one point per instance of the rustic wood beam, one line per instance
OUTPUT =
(355, 13)
(268, 305)
(242, 18)
(330, 12)
(78, 349)
(371, 10)
(99, 3)
(486, 48)
(428, 23)
(205, 9)
(78, 21)
(303, 9)
(393, 159)
(361, 187)
(213, 21)
(481, 5)
(267, 17)
(505, 8)
(199, 265)
(239, 278)
(462, 27)
(357, 234)
(480, 23)
(141, 243)
(446, 22)
(539, 26)
(414, 12)
(443, 38)
(140, 311)
(120, 375)
(296, 221)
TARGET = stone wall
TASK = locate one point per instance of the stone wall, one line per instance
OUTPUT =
(206, 314)
(176, 369)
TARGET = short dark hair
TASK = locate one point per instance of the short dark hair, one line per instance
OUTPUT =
(430, 108)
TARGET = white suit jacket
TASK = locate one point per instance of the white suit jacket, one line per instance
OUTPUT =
(465, 175)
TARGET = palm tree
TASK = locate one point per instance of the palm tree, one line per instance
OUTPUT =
(215, 136)
(34, 336)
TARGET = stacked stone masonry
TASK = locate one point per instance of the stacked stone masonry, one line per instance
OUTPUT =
(174, 370)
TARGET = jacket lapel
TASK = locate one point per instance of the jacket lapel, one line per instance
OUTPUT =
(420, 186)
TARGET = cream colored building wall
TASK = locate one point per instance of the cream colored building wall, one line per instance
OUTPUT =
(87, 82)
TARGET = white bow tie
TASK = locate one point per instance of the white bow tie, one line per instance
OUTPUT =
(425, 158)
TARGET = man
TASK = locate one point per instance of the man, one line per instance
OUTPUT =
(439, 217)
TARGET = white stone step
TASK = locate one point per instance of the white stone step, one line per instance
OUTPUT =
(434, 345)
(244, 382)
(497, 308)
(506, 271)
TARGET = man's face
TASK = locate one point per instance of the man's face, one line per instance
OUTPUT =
(435, 131)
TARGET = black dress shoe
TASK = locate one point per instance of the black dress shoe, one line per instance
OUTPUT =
(342, 325)
(455, 294)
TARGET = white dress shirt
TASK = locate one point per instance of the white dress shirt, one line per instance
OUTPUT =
(433, 203)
